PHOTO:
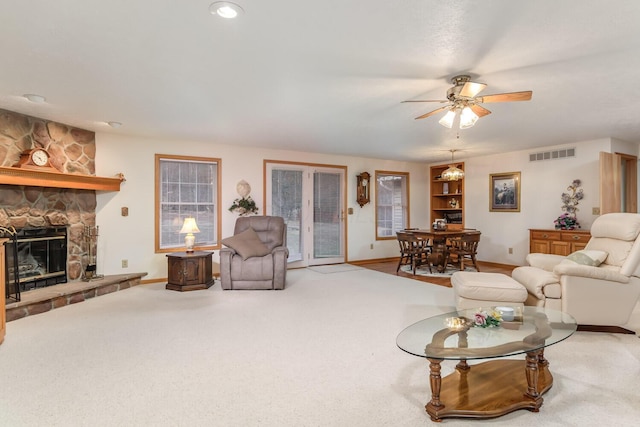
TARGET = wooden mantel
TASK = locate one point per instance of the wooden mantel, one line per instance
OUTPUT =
(54, 179)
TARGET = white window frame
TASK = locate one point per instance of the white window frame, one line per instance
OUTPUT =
(399, 206)
(210, 238)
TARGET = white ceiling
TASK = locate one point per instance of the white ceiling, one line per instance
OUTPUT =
(327, 76)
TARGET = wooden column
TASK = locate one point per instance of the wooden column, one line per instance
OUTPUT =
(3, 314)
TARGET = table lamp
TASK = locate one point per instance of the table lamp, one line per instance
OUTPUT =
(189, 227)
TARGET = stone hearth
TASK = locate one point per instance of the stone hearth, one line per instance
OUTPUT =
(45, 299)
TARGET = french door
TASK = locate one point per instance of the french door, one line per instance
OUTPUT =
(310, 198)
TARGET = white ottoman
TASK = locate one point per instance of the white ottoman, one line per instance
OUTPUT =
(475, 290)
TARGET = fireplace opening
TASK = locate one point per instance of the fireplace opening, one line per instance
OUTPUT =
(41, 257)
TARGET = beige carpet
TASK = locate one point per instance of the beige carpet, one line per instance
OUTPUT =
(334, 268)
(320, 353)
(424, 271)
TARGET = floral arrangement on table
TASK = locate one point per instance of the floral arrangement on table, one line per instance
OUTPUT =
(487, 319)
(568, 220)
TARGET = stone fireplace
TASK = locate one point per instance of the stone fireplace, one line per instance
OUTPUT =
(27, 208)
(30, 207)
(60, 197)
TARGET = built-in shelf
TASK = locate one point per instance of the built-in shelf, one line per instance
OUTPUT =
(54, 179)
(443, 193)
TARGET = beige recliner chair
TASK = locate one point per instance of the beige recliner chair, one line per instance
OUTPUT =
(256, 255)
(598, 286)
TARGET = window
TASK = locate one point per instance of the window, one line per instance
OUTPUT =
(187, 187)
(392, 203)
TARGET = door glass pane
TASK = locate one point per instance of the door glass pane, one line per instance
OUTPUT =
(286, 201)
(326, 215)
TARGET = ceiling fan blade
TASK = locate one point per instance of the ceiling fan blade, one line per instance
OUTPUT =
(506, 97)
(479, 110)
(471, 89)
(431, 113)
(426, 100)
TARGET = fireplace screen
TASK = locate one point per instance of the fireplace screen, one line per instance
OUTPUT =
(42, 257)
(12, 287)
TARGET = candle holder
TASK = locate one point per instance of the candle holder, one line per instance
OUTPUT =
(457, 323)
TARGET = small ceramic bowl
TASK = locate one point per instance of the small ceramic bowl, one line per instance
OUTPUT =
(507, 313)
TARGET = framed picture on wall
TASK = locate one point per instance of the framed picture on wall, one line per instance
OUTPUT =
(504, 192)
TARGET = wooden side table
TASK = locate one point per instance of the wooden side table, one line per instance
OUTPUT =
(189, 271)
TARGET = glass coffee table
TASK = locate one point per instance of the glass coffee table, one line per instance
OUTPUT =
(499, 385)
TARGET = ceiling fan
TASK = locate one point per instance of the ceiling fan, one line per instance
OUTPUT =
(463, 100)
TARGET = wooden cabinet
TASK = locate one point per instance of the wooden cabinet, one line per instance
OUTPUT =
(189, 271)
(3, 313)
(447, 198)
(558, 242)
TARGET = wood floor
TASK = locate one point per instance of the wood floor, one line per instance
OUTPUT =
(389, 266)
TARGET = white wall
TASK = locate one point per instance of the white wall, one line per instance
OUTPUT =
(542, 183)
(132, 237)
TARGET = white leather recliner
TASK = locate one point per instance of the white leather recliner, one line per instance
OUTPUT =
(595, 295)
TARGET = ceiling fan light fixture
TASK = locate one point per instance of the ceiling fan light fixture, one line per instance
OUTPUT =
(467, 118)
(225, 9)
(463, 98)
(447, 119)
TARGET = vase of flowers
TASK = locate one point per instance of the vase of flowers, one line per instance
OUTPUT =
(568, 220)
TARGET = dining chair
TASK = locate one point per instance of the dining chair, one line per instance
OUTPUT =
(414, 251)
(463, 248)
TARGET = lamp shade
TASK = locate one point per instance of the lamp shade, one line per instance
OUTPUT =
(189, 226)
(452, 173)
(447, 119)
(467, 118)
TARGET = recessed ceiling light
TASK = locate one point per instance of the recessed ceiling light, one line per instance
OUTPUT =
(225, 9)
(114, 125)
(38, 99)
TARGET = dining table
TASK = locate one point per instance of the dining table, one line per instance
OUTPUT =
(439, 239)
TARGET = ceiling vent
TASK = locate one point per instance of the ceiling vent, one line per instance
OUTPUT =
(552, 155)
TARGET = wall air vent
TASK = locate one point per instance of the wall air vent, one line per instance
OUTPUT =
(551, 155)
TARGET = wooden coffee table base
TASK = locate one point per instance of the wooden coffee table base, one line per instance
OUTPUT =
(489, 389)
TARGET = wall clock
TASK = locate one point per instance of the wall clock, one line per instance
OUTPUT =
(363, 189)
